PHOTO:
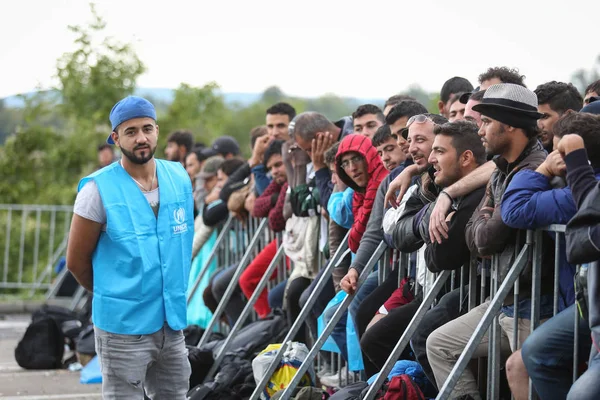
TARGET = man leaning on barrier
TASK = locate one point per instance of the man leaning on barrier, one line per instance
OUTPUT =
(509, 130)
(531, 202)
(130, 243)
(456, 151)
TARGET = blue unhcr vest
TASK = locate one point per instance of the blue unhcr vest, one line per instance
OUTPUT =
(142, 262)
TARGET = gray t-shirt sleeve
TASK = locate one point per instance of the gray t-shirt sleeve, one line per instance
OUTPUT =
(88, 203)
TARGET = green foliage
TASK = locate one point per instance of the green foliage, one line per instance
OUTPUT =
(200, 110)
(95, 76)
(583, 77)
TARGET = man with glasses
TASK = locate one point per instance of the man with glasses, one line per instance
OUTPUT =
(360, 168)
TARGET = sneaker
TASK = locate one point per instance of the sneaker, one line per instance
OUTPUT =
(333, 380)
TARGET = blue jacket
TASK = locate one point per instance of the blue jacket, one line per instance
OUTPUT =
(141, 263)
(339, 208)
(530, 202)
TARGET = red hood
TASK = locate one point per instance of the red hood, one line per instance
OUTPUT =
(363, 198)
(362, 145)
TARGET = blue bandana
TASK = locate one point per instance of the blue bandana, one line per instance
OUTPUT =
(129, 108)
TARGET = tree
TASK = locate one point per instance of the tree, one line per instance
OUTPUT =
(582, 77)
(272, 95)
(201, 110)
(95, 76)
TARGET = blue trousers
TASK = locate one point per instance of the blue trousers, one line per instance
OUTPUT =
(548, 354)
(339, 332)
(588, 384)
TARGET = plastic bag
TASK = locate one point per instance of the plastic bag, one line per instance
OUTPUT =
(292, 359)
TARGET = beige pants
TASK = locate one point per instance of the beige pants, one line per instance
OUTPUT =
(446, 344)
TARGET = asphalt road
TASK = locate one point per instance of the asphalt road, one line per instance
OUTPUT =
(19, 384)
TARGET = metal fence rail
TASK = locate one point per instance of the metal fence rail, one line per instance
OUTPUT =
(343, 307)
(34, 238)
(304, 314)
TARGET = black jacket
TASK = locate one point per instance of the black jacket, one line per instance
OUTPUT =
(453, 252)
(405, 237)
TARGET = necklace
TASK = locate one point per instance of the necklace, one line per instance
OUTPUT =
(139, 184)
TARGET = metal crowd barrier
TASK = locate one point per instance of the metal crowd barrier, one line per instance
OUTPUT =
(246, 258)
(221, 243)
(304, 314)
(245, 312)
(32, 245)
(529, 253)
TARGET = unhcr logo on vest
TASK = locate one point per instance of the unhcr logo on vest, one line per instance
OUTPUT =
(179, 217)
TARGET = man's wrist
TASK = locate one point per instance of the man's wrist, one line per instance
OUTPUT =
(542, 169)
(253, 162)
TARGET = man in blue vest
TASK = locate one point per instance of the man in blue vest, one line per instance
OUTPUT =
(130, 244)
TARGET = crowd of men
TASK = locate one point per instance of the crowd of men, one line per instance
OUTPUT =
(495, 160)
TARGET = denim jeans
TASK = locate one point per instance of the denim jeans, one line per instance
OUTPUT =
(323, 298)
(157, 363)
(586, 387)
(276, 295)
(548, 353)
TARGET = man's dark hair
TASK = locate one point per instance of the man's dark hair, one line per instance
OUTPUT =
(505, 74)
(282, 108)
(406, 108)
(454, 98)
(231, 165)
(464, 137)
(104, 146)
(453, 86)
(382, 135)
(593, 87)
(559, 96)
(397, 98)
(309, 123)
(585, 125)
(366, 109)
(182, 138)
(273, 149)
(532, 131)
(197, 150)
(257, 132)
(330, 153)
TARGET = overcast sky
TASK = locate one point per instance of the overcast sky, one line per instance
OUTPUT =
(308, 48)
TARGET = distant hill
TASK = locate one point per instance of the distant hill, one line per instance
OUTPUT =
(165, 95)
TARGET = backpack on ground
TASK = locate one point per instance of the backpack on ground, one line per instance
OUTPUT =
(85, 344)
(42, 346)
(350, 392)
(70, 322)
(402, 387)
(305, 393)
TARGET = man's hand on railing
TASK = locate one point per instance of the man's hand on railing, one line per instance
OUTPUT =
(400, 184)
(349, 282)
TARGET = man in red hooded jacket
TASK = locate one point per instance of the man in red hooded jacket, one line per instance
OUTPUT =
(359, 166)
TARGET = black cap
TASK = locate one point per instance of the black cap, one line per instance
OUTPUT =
(464, 98)
(223, 145)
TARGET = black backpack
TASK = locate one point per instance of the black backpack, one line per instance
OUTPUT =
(42, 346)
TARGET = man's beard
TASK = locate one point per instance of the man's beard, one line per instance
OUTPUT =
(146, 156)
